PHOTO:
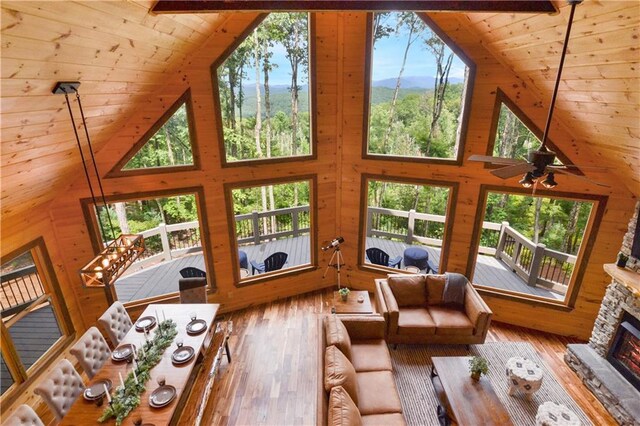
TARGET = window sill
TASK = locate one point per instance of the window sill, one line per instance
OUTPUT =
(515, 297)
(258, 279)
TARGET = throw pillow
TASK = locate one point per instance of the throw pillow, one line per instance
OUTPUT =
(409, 290)
(338, 371)
(337, 335)
(435, 288)
(342, 410)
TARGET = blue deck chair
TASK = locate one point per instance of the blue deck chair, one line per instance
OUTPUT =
(272, 263)
(380, 257)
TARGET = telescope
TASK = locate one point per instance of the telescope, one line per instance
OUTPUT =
(333, 244)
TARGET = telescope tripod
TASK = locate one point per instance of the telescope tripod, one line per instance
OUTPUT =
(339, 262)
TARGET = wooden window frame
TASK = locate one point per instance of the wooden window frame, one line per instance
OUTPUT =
(448, 222)
(503, 99)
(586, 247)
(313, 240)
(23, 378)
(184, 99)
(466, 98)
(96, 240)
(313, 134)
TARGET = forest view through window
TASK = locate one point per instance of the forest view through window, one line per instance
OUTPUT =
(407, 223)
(169, 146)
(417, 90)
(273, 227)
(536, 237)
(264, 91)
(172, 238)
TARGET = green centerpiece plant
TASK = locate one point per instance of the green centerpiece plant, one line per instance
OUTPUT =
(127, 398)
(344, 293)
(478, 366)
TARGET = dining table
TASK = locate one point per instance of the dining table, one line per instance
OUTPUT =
(180, 376)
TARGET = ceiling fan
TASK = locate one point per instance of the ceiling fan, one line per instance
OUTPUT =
(540, 162)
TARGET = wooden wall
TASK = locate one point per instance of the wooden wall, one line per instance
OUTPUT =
(339, 69)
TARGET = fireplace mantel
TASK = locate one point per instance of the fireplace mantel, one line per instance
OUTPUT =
(624, 276)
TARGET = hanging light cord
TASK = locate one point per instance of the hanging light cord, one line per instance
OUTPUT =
(95, 165)
(573, 3)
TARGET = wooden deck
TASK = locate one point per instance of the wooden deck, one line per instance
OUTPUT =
(163, 278)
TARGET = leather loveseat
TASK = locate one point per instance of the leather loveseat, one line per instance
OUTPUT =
(355, 379)
(414, 309)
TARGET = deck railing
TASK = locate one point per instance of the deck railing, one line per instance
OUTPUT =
(257, 227)
(534, 263)
(19, 288)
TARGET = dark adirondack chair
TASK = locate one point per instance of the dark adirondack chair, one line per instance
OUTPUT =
(272, 263)
(380, 257)
(191, 272)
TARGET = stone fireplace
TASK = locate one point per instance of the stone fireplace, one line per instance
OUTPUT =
(609, 365)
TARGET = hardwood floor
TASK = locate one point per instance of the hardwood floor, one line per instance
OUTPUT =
(272, 377)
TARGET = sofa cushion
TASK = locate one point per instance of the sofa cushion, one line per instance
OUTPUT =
(337, 334)
(415, 321)
(435, 287)
(338, 371)
(342, 410)
(409, 290)
(377, 393)
(450, 321)
(386, 419)
(370, 355)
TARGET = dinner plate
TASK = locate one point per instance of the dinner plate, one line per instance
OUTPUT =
(145, 323)
(123, 352)
(162, 396)
(182, 355)
(196, 326)
(96, 390)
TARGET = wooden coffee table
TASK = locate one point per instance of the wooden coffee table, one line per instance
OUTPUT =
(471, 402)
(352, 306)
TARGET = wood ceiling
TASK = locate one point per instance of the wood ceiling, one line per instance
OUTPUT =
(122, 54)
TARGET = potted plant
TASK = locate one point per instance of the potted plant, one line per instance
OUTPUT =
(344, 293)
(478, 366)
(622, 260)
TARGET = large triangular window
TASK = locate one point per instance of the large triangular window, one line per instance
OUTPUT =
(265, 88)
(419, 92)
(168, 145)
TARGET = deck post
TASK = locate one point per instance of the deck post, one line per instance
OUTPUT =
(501, 239)
(166, 248)
(294, 222)
(256, 227)
(369, 222)
(410, 226)
(536, 262)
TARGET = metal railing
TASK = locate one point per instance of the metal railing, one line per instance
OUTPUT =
(534, 263)
(19, 288)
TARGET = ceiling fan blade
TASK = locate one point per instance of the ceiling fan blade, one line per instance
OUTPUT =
(495, 160)
(573, 166)
(565, 172)
(511, 171)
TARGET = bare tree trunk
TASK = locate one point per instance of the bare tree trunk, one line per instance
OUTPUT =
(440, 89)
(164, 218)
(536, 220)
(258, 128)
(267, 122)
(569, 239)
(294, 106)
(121, 213)
(167, 138)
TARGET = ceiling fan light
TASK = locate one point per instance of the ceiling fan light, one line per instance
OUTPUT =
(549, 182)
(527, 181)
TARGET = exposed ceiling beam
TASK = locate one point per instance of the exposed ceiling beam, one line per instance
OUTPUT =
(202, 6)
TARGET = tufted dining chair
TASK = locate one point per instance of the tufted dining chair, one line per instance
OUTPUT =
(116, 322)
(23, 416)
(91, 351)
(60, 388)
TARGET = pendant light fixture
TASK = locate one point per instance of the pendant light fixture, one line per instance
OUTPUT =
(543, 157)
(119, 253)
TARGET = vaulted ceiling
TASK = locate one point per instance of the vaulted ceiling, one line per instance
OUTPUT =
(122, 54)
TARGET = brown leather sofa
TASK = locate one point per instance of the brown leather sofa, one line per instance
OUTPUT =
(415, 312)
(355, 379)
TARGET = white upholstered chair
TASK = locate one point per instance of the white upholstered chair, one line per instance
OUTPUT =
(116, 322)
(91, 351)
(60, 388)
(193, 290)
(23, 416)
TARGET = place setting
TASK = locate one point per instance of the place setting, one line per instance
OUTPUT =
(183, 354)
(196, 326)
(162, 395)
(97, 391)
(145, 324)
(123, 352)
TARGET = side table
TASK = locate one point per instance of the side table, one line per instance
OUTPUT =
(352, 305)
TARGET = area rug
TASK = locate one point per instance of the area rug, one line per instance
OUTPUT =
(412, 369)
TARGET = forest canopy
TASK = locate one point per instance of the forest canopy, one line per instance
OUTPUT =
(425, 123)
(264, 91)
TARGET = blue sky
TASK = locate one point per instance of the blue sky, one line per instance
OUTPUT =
(387, 59)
